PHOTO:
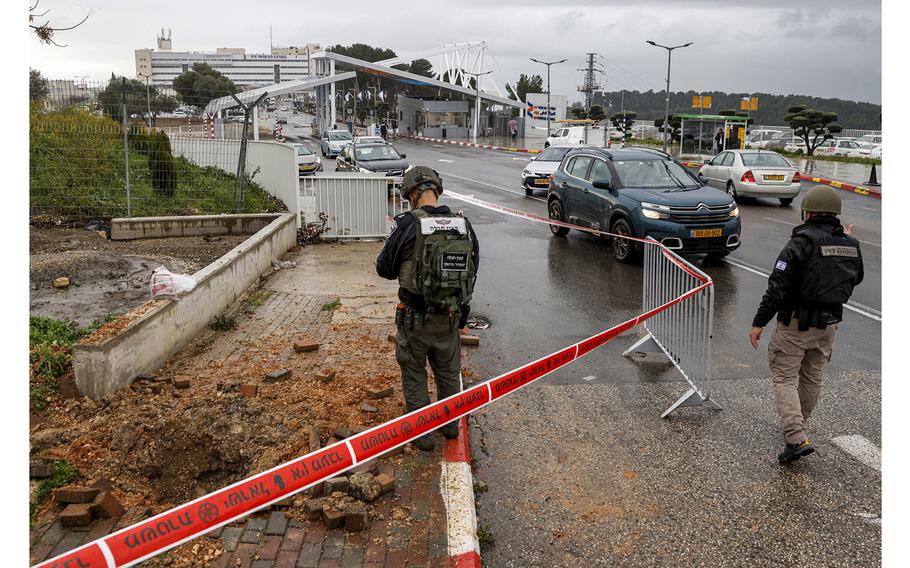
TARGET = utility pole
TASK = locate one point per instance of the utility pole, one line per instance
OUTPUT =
(590, 85)
(548, 64)
(477, 77)
(667, 101)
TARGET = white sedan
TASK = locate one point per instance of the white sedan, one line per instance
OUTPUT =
(841, 147)
(753, 173)
(536, 175)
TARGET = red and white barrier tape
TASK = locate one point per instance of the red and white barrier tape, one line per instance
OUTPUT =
(171, 528)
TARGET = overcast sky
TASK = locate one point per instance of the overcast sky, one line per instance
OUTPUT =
(827, 48)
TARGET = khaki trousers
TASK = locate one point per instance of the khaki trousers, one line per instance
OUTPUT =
(797, 360)
(438, 341)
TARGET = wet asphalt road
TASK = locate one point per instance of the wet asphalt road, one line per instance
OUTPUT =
(581, 469)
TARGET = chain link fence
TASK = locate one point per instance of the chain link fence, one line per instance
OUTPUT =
(121, 148)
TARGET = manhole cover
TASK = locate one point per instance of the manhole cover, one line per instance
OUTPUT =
(478, 322)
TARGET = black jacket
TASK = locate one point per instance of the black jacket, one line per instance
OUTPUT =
(400, 246)
(783, 294)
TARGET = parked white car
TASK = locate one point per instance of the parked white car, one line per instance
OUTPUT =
(870, 140)
(841, 147)
(570, 135)
(761, 138)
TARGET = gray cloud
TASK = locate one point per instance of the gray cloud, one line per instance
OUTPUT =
(768, 46)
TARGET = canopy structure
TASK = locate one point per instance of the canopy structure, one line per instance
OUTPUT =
(277, 89)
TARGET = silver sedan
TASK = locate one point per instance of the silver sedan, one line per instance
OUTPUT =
(752, 173)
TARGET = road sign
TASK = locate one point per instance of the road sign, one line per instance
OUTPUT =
(701, 101)
(748, 103)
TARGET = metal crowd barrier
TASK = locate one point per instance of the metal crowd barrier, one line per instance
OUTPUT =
(357, 204)
(682, 332)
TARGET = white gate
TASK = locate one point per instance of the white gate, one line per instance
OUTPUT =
(357, 205)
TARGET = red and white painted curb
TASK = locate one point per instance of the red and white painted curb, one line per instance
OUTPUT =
(472, 145)
(842, 185)
(457, 486)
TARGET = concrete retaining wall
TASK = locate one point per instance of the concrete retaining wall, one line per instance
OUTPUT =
(143, 346)
(189, 226)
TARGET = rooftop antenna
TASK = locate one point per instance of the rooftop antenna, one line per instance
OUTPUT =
(271, 45)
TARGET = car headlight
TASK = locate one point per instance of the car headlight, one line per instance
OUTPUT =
(735, 212)
(655, 210)
(525, 172)
(651, 214)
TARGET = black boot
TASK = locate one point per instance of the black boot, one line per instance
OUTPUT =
(425, 443)
(793, 452)
(450, 430)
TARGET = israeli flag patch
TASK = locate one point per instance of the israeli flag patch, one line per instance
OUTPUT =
(781, 265)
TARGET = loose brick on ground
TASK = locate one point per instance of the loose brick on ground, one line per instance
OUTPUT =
(306, 346)
(76, 515)
(355, 519)
(278, 375)
(181, 382)
(332, 518)
(313, 508)
(248, 390)
(75, 494)
(106, 505)
(470, 340)
(336, 484)
(386, 481)
(39, 469)
(376, 393)
(326, 375)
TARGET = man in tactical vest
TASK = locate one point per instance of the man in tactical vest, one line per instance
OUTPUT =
(812, 279)
(434, 255)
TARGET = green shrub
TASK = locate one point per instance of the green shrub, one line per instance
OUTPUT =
(62, 473)
(223, 322)
(161, 165)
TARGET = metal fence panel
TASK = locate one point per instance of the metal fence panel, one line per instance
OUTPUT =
(357, 205)
(682, 332)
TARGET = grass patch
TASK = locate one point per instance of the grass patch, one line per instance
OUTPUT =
(223, 322)
(50, 354)
(76, 168)
(258, 298)
(332, 306)
(411, 463)
(62, 473)
(485, 537)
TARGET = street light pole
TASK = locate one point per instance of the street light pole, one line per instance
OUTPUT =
(148, 98)
(667, 101)
(548, 64)
(477, 77)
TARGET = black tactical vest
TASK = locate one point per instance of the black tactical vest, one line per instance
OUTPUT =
(832, 269)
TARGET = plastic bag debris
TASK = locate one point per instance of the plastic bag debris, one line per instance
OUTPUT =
(167, 284)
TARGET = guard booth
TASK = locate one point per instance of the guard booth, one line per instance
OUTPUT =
(698, 134)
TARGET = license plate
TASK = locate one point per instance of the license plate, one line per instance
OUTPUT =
(774, 178)
(542, 182)
(702, 233)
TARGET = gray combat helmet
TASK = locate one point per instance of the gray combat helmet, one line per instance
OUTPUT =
(420, 178)
(822, 199)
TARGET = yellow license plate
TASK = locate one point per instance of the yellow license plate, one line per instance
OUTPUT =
(774, 178)
(542, 182)
(701, 233)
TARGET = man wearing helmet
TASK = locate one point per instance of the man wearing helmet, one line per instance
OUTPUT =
(812, 279)
(434, 255)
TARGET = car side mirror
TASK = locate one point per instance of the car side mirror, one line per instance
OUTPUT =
(602, 184)
(403, 156)
(707, 162)
(702, 178)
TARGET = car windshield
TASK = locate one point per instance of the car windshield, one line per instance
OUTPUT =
(303, 150)
(377, 153)
(764, 160)
(654, 174)
(552, 154)
(340, 135)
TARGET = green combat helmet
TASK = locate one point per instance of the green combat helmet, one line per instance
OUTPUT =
(822, 199)
(420, 178)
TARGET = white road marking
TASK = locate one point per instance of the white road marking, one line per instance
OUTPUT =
(446, 161)
(789, 224)
(493, 186)
(861, 309)
(522, 159)
(588, 378)
(861, 449)
(870, 209)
